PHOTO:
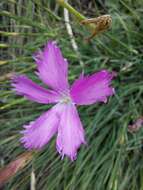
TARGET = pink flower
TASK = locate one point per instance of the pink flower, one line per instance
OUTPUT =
(63, 118)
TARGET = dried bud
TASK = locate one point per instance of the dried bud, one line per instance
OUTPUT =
(102, 23)
(13, 167)
(136, 126)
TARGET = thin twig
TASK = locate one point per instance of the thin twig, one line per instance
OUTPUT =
(33, 180)
(70, 33)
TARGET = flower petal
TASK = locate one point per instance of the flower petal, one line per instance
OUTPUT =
(39, 132)
(52, 67)
(70, 132)
(91, 89)
(26, 87)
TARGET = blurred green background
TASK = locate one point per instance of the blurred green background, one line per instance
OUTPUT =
(113, 158)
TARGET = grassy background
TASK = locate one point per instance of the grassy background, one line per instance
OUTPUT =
(113, 158)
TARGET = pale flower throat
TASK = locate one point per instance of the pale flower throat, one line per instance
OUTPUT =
(66, 99)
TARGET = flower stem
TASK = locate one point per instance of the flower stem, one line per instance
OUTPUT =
(78, 15)
(66, 5)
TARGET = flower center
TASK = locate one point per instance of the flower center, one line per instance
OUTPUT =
(65, 99)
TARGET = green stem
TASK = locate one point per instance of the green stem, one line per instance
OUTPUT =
(66, 5)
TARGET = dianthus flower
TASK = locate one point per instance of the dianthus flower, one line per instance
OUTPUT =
(63, 118)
